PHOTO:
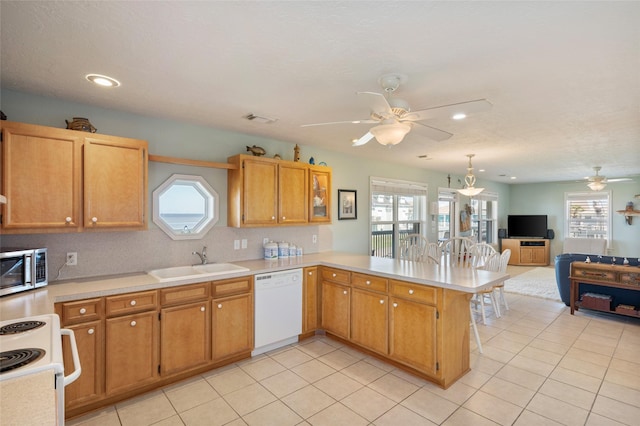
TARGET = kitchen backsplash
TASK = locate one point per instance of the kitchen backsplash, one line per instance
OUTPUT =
(109, 253)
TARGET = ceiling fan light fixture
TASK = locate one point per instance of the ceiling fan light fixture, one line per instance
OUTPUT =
(390, 134)
(470, 180)
(596, 186)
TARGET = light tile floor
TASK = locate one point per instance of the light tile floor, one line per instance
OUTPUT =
(540, 366)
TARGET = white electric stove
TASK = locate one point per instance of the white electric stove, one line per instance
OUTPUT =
(33, 346)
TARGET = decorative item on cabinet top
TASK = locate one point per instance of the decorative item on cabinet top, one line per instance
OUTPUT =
(256, 150)
(81, 124)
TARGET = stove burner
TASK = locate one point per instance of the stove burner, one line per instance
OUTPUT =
(11, 360)
(19, 327)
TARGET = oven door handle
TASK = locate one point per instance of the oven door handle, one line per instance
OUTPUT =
(74, 354)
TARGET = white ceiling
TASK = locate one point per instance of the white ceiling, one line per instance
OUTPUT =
(563, 77)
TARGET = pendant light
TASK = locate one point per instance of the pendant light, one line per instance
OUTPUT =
(470, 180)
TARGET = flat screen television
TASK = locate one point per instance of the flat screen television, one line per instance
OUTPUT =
(527, 226)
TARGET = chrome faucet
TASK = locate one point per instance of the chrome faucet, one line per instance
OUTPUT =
(202, 256)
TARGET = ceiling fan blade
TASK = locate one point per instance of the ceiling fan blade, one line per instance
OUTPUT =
(379, 104)
(367, 121)
(432, 133)
(366, 138)
(467, 108)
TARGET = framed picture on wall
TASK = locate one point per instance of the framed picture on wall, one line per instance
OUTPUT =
(347, 204)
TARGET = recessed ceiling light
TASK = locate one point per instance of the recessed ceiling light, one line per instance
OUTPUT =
(481, 170)
(102, 80)
(459, 116)
(513, 178)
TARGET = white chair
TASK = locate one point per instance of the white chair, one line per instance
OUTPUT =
(413, 247)
(492, 264)
(457, 251)
(434, 251)
(475, 329)
(504, 261)
(481, 254)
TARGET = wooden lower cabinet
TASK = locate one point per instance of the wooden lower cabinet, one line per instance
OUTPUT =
(131, 351)
(185, 341)
(336, 309)
(311, 300)
(412, 334)
(89, 386)
(232, 319)
(370, 320)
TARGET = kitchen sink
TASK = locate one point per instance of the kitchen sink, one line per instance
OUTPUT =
(196, 271)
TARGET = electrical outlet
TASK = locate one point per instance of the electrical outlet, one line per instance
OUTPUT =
(72, 258)
(236, 244)
(265, 240)
(314, 239)
(244, 243)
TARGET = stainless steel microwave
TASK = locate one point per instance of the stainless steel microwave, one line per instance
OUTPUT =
(22, 269)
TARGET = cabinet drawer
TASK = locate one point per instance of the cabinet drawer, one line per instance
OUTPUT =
(336, 275)
(82, 310)
(416, 292)
(184, 294)
(599, 274)
(630, 278)
(369, 282)
(230, 287)
(131, 302)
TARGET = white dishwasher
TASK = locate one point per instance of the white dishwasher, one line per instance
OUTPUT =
(278, 310)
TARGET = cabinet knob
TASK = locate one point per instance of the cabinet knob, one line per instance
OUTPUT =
(310, 273)
(83, 311)
(219, 305)
(334, 275)
(133, 303)
(202, 309)
(368, 282)
(273, 218)
(381, 301)
(90, 331)
(411, 291)
(94, 219)
(133, 323)
(67, 219)
(395, 305)
(283, 217)
(344, 292)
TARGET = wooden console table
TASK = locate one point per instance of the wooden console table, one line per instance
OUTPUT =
(616, 276)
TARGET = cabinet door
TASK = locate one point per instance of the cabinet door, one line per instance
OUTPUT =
(538, 256)
(260, 192)
(131, 351)
(90, 385)
(335, 308)
(320, 196)
(115, 183)
(184, 337)
(232, 326)
(412, 338)
(370, 320)
(293, 193)
(311, 300)
(41, 178)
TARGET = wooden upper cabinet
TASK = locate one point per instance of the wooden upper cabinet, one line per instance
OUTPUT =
(115, 182)
(293, 191)
(269, 192)
(41, 178)
(320, 194)
(59, 180)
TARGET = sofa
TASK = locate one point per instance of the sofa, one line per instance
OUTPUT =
(619, 295)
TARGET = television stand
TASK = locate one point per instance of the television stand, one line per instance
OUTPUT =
(527, 251)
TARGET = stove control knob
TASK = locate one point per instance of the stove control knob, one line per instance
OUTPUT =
(133, 323)
(133, 303)
(91, 331)
(83, 311)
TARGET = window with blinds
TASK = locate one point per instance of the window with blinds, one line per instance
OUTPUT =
(588, 215)
(398, 208)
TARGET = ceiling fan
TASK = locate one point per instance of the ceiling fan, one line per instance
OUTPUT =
(598, 182)
(394, 119)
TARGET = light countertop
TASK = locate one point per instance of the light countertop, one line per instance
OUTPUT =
(41, 301)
